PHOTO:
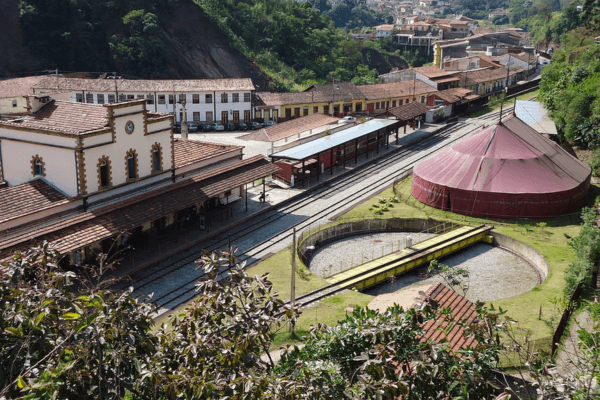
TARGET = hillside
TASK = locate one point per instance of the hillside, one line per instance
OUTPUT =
(194, 46)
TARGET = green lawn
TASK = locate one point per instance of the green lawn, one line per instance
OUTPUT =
(328, 311)
(550, 241)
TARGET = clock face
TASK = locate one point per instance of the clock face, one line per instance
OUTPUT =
(129, 127)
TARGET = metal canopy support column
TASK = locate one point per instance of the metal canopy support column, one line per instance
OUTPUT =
(377, 151)
(246, 197)
(387, 139)
(331, 162)
(367, 153)
(303, 174)
(264, 194)
(318, 166)
(397, 133)
(356, 151)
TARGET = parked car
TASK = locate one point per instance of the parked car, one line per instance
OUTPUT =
(217, 127)
(230, 127)
(241, 126)
(177, 128)
(254, 125)
(347, 119)
(205, 127)
(192, 127)
(268, 123)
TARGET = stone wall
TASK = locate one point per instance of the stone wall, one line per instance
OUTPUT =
(527, 252)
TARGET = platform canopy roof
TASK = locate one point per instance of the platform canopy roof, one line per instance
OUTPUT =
(505, 170)
(318, 146)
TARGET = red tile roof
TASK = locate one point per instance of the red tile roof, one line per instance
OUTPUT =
(432, 72)
(143, 85)
(27, 198)
(453, 95)
(396, 89)
(485, 75)
(290, 128)
(460, 308)
(92, 226)
(18, 86)
(191, 151)
(407, 111)
(66, 117)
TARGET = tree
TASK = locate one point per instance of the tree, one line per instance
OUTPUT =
(57, 343)
(382, 355)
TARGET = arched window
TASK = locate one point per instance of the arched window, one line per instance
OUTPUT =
(38, 167)
(131, 165)
(156, 158)
(104, 173)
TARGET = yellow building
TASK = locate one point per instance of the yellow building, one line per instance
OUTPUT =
(339, 99)
(13, 94)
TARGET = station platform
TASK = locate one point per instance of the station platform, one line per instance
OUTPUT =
(382, 269)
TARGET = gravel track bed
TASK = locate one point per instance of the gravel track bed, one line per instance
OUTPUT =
(494, 273)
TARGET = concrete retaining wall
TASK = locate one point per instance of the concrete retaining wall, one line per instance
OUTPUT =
(527, 252)
(310, 244)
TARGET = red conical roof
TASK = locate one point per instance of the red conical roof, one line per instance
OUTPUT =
(507, 158)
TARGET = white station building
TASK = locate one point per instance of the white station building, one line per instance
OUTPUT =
(206, 100)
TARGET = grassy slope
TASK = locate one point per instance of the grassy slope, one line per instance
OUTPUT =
(328, 311)
(549, 240)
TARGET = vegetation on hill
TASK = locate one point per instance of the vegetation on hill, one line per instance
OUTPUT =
(351, 14)
(63, 337)
(78, 35)
(293, 42)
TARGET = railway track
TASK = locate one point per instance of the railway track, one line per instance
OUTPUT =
(184, 292)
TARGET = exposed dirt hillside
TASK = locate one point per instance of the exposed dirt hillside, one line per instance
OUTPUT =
(196, 46)
(14, 57)
(376, 60)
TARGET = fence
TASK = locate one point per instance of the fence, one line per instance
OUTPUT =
(320, 233)
(564, 321)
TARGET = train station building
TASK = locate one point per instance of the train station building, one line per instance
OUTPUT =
(80, 175)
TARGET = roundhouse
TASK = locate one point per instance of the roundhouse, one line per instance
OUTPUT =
(507, 170)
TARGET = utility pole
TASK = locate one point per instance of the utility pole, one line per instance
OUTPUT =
(184, 125)
(116, 88)
(332, 95)
(507, 72)
(293, 280)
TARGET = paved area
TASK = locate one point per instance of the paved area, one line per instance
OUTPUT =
(252, 148)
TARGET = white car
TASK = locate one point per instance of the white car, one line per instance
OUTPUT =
(346, 120)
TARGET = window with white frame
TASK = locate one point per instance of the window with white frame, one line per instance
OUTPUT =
(209, 116)
(224, 98)
(196, 116)
(150, 99)
(209, 99)
(89, 97)
(235, 98)
(161, 99)
(171, 99)
(196, 98)
(79, 97)
(246, 97)
(100, 98)
(181, 98)
(111, 98)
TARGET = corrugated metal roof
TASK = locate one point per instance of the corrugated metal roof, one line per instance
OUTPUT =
(321, 145)
(535, 115)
